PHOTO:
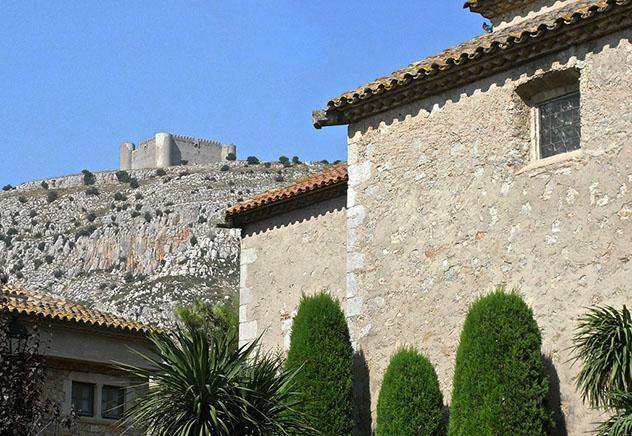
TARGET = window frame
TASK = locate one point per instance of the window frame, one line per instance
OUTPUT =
(104, 411)
(92, 400)
(99, 379)
(553, 95)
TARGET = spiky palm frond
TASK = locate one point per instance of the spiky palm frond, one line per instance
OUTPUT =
(203, 386)
(603, 342)
(620, 424)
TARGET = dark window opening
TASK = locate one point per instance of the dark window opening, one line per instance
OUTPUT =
(112, 402)
(83, 398)
(559, 125)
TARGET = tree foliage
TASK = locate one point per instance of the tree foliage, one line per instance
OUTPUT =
(320, 345)
(500, 382)
(202, 386)
(23, 409)
(410, 401)
(603, 342)
(214, 319)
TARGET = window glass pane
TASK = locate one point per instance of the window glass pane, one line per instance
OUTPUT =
(560, 129)
(83, 398)
(112, 402)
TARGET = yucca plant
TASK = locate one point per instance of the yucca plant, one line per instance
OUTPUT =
(203, 386)
(603, 342)
(620, 424)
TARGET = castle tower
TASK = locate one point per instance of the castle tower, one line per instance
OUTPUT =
(228, 149)
(164, 146)
(125, 158)
(164, 150)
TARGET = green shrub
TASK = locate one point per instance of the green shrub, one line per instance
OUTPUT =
(296, 160)
(133, 183)
(500, 382)
(8, 188)
(320, 345)
(410, 401)
(88, 177)
(160, 172)
(52, 196)
(44, 185)
(231, 156)
(225, 168)
(123, 176)
(252, 160)
(92, 191)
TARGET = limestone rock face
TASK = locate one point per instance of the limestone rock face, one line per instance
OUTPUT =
(136, 252)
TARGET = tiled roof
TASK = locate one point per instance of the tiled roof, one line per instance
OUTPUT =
(401, 83)
(331, 176)
(20, 301)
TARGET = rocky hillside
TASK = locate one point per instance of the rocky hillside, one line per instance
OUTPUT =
(136, 243)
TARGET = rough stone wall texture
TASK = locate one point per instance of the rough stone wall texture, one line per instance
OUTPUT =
(195, 151)
(134, 252)
(284, 257)
(145, 155)
(444, 204)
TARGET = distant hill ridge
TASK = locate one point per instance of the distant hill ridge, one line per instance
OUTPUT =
(135, 243)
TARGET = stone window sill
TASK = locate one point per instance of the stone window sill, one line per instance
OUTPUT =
(94, 420)
(563, 158)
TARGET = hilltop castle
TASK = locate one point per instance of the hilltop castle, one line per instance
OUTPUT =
(166, 150)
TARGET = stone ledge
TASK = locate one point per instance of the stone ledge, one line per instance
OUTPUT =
(564, 158)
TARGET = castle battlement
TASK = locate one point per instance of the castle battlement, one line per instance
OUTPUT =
(166, 149)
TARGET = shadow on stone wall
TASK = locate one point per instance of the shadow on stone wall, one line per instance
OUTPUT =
(361, 396)
(304, 214)
(554, 398)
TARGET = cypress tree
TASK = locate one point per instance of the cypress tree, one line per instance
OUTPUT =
(410, 401)
(320, 346)
(500, 382)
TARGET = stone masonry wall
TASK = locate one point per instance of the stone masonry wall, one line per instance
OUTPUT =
(445, 203)
(284, 257)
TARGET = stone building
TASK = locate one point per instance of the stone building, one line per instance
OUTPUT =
(166, 150)
(505, 159)
(80, 345)
(293, 243)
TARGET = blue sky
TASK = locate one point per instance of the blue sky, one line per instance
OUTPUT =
(80, 77)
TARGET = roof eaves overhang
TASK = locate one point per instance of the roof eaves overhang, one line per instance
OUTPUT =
(278, 207)
(598, 20)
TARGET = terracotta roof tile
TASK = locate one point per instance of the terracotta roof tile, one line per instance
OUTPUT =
(21, 301)
(331, 176)
(478, 47)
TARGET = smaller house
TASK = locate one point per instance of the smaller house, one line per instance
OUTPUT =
(293, 242)
(79, 346)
